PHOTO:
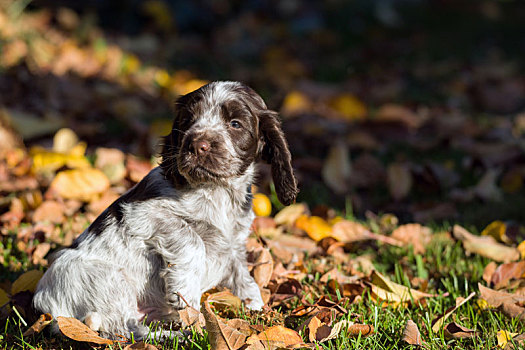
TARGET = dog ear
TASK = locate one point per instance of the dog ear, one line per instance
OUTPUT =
(275, 152)
(171, 145)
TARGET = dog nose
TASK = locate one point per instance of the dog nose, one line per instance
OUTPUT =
(200, 146)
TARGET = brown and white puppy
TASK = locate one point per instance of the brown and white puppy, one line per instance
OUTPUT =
(182, 229)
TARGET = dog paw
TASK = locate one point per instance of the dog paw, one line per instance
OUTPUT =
(254, 304)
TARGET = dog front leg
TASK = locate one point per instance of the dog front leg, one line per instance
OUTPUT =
(243, 285)
(184, 259)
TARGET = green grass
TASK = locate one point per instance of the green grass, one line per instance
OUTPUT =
(449, 271)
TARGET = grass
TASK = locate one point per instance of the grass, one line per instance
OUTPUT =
(448, 269)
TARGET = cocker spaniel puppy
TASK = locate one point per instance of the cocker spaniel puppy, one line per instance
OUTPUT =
(183, 228)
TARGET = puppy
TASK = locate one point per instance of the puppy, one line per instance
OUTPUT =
(180, 231)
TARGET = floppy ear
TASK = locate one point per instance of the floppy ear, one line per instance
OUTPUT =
(171, 145)
(275, 152)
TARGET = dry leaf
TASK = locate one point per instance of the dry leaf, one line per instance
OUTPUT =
(485, 246)
(51, 211)
(282, 334)
(348, 106)
(64, 140)
(40, 252)
(221, 336)
(417, 235)
(399, 180)
(262, 272)
(316, 227)
(438, 322)
(81, 184)
(337, 169)
(401, 114)
(504, 337)
(509, 304)
(140, 346)
(489, 270)
(497, 229)
(411, 334)
(224, 299)
(455, 331)
(191, 317)
(27, 281)
(506, 272)
(363, 329)
(39, 325)
(76, 330)
(312, 326)
(296, 102)
(288, 215)
(349, 231)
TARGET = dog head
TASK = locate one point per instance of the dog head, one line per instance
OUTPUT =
(219, 131)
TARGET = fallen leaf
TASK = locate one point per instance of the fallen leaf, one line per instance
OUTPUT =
(224, 299)
(262, 272)
(282, 334)
(399, 180)
(439, 321)
(288, 215)
(348, 106)
(81, 184)
(140, 346)
(506, 272)
(296, 102)
(312, 326)
(76, 330)
(27, 281)
(316, 227)
(485, 246)
(497, 229)
(488, 271)
(39, 325)
(455, 331)
(504, 337)
(261, 205)
(137, 168)
(509, 304)
(337, 169)
(64, 140)
(415, 234)
(401, 114)
(349, 231)
(221, 336)
(394, 294)
(191, 317)
(411, 334)
(363, 329)
(51, 211)
(45, 161)
(39, 253)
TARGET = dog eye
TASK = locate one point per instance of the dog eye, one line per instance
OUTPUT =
(235, 124)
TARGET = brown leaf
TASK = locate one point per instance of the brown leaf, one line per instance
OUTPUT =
(509, 304)
(40, 252)
(39, 325)
(506, 272)
(221, 336)
(224, 299)
(485, 246)
(140, 346)
(363, 329)
(415, 234)
(282, 334)
(489, 270)
(312, 326)
(51, 211)
(191, 317)
(455, 331)
(411, 334)
(76, 330)
(337, 169)
(288, 215)
(399, 180)
(263, 269)
(400, 114)
(439, 321)
(137, 168)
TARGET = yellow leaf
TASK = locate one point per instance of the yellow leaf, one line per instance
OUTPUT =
(45, 161)
(316, 227)
(512, 182)
(261, 205)
(348, 106)
(482, 304)
(162, 78)
(224, 299)
(81, 184)
(521, 248)
(289, 214)
(281, 334)
(296, 102)
(504, 337)
(130, 64)
(27, 281)
(496, 229)
(188, 86)
(4, 298)
(390, 291)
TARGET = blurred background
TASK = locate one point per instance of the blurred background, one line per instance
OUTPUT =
(410, 107)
